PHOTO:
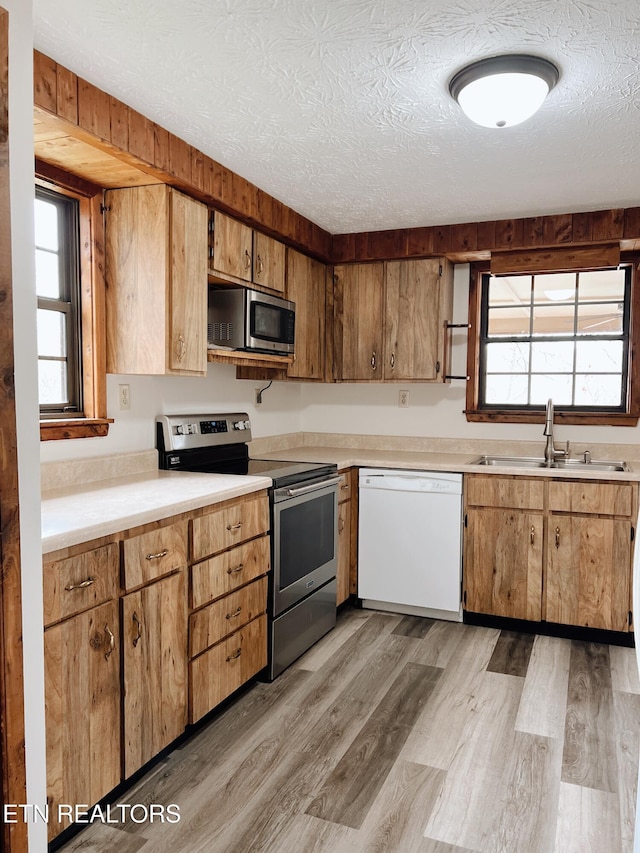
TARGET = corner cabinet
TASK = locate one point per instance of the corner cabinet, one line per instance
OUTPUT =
(156, 282)
(389, 320)
(550, 549)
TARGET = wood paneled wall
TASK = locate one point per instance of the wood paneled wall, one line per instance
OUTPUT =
(13, 836)
(89, 114)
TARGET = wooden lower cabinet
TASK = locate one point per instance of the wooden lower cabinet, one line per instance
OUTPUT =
(344, 551)
(221, 670)
(82, 708)
(154, 623)
(580, 577)
(503, 557)
(588, 578)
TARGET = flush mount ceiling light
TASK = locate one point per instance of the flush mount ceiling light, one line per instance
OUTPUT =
(503, 90)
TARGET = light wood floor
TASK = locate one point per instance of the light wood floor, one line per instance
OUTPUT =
(406, 735)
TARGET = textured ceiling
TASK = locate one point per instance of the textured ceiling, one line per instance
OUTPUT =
(340, 108)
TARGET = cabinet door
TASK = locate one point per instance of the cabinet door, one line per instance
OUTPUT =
(306, 286)
(154, 637)
(82, 700)
(588, 571)
(413, 320)
(344, 551)
(232, 247)
(268, 262)
(187, 347)
(503, 563)
(358, 306)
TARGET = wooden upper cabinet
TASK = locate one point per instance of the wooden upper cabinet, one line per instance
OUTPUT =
(239, 254)
(307, 287)
(416, 308)
(358, 305)
(232, 248)
(390, 320)
(156, 282)
(268, 262)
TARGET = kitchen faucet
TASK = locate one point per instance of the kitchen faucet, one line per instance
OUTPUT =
(551, 452)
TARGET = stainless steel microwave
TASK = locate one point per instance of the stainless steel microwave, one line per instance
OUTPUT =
(244, 319)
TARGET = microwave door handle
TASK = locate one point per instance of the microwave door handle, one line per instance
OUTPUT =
(304, 490)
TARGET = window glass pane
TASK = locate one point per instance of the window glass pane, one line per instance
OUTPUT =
(509, 390)
(558, 386)
(553, 319)
(599, 357)
(508, 357)
(47, 275)
(552, 356)
(46, 224)
(601, 285)
(599, 319)
(52, 382)
(508, 321)
(554, 287)
(510, 290)
(51, 333)
(595, 390)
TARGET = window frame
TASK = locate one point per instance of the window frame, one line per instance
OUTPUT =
(68, 303)
(626, 415)
(93, 422)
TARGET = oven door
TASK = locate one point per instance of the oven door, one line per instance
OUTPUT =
(305, 540)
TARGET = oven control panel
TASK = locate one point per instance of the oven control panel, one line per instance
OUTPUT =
(186, 432)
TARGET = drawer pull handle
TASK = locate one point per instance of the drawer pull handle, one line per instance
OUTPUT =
(373, 360)
(82, 585)
(557, 537)
(112, 642)
(345, 488)
(235, 655)
(235, 613)
(533, 534)
(236, 570)
(234, 526)
(138, 635)
(340, 525)
(158, 556)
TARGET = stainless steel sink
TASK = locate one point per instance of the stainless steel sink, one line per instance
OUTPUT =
(534, 462)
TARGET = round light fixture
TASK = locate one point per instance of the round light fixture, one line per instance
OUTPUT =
(503, 90)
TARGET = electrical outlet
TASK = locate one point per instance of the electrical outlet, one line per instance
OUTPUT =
(125, 398)
(403, 399)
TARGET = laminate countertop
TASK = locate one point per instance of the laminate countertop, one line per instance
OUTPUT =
(79, 514)
(418, 460)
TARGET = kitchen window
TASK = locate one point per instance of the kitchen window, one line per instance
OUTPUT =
(563, 335)
(69, 248)
(58, 292)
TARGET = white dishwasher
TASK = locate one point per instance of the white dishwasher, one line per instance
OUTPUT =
(410, 542)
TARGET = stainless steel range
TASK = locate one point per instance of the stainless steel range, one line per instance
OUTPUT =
(304, 523)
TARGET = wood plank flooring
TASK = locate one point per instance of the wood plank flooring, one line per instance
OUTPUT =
(397, 734)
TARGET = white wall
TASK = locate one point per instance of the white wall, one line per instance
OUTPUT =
(219, 391)
(434, 410)
(24, 306)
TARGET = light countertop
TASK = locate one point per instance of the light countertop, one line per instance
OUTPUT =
(73, 515)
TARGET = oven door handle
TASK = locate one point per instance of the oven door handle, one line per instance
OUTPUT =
(304, 490)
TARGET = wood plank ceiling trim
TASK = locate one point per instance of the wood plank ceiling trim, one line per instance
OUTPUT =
(87, 114)
(84, 112)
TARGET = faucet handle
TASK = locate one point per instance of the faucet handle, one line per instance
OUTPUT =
(567, 451)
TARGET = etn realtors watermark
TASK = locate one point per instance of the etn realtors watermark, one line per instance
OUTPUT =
(84, 813)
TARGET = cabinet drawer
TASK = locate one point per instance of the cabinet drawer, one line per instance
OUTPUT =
(345, 486)
(591, 497)
(228, 571)
(229, 525)
(217, 673)
(512, 492)
(209, 625)
(78, 583)
(154, 554)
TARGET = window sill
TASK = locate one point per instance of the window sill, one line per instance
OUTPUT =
(582, 418)
(56, 429)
